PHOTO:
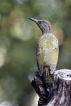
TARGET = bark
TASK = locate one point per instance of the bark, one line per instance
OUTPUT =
(59, 93)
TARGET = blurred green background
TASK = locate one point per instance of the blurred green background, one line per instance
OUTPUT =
(18, 40)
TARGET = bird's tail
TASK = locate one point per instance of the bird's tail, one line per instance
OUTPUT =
(46, 68)
(48, 80)
(46, 73)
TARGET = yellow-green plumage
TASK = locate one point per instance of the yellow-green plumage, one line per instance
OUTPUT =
(47, 52)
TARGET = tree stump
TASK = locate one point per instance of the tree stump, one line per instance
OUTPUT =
(61, 95)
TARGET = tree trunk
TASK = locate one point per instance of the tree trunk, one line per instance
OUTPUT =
(61, 95)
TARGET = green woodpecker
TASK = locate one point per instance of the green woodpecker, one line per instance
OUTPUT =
(47, 49)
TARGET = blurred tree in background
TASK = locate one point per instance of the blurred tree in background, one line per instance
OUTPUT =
(18, 40)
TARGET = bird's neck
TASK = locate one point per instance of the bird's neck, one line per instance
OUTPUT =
(46, 31)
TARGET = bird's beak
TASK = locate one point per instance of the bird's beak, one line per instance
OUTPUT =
(35, 20)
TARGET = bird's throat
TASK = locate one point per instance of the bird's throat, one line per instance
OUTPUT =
(45, 31)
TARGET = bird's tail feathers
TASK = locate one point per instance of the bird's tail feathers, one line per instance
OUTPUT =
(46, 68)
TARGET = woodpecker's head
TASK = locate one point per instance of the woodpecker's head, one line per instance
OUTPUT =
(44, 25)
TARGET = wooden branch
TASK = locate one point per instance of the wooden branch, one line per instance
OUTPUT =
(61, 92)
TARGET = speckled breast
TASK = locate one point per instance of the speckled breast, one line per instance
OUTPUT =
(47, 53)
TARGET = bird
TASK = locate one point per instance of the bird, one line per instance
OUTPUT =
(47, 50)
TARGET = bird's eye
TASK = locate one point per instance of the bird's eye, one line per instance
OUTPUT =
(40, 22)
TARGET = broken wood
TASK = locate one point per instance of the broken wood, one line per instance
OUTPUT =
(61, 86)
